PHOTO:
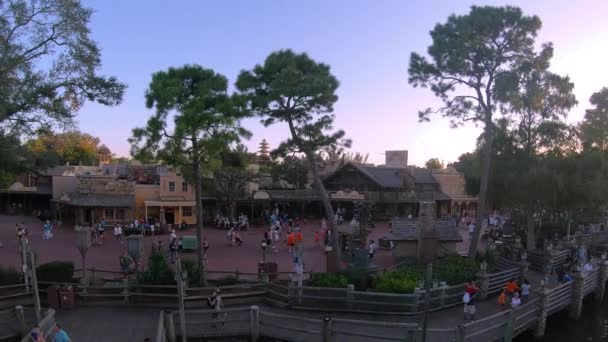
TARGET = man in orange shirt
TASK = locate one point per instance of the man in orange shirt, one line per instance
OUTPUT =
(511, 287)
(299, 237)
(291, 241)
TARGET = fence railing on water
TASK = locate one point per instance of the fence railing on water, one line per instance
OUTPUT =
(254, 323)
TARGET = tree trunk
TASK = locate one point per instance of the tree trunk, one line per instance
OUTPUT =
(329, 211)
(196, 165)
(486, 159)
(530, 237)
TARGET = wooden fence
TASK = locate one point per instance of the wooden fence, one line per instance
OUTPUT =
(497, 280)
(46, 325)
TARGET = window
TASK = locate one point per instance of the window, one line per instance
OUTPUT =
(108, 213)
(184, 187)
(171, 186)
(187, 211)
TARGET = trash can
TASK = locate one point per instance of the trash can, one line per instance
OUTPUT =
(52, 296)
(67, 297)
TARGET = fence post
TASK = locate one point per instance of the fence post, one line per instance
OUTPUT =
(21, 318)
(125, 292)
(254, 323)
(170, 325)
(510, 326)
(460, 334)
(349, 295)
(326, 331)
(483, 279)
(523, 271)
(416, 300)
(603, 277)
(576, 307)
(543, 305)
(290, 294)
(443, 295)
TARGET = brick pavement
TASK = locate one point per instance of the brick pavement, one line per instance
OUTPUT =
(221, 256)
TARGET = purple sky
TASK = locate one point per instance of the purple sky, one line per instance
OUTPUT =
(367, 46)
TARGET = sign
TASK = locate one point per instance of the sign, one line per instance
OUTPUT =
(347, 195)
(261, 195)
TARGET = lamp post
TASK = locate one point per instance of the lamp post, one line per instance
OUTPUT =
(135, 245)
(483, 266)
(264, 252)
(83, 243)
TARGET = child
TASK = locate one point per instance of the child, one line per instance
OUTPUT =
(502, 298)
(317, 237)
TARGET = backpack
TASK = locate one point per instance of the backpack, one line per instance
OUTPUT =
(466, 298)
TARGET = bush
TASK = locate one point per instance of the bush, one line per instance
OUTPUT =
(56, 272)
(455, 269)
(403, 280)
(329, 280)
(9, 276)
(194, 274)
(158, 271)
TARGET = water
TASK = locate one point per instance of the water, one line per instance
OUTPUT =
(591, 327)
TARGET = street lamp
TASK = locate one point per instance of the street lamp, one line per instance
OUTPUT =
(603, 255)
(83, 243)
(524, 255)
(483, 266)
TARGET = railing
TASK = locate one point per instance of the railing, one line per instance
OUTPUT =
(560, 297)
(161, 330)
(348, 300)
(45, 325)
(497, 281)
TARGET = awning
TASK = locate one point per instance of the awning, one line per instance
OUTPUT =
(170, 203)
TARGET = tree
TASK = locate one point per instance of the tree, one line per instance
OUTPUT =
(292, 169)
(205, 121)
(49, 64)
(294, 89)
(469, 57)
(434, 164)
(594, 128)
(73, 147)
(231, 178)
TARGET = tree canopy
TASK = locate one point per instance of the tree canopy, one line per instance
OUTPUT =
(594, 128)
(74, 147)
(294, 89)
(49, 64)
(195, 120)
(434, 164)
(475, 62)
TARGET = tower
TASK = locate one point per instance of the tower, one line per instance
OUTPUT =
(263, 153)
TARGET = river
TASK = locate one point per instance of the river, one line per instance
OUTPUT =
(591, 327)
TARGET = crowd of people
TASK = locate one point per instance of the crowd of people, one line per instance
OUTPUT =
(223, 222)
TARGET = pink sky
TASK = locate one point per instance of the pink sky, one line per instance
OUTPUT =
(367, 47)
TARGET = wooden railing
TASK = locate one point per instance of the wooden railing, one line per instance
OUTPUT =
(45, 325)
(497, 281)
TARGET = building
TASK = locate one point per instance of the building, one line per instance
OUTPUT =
(29, 194)
(453, 185)
(171, 200)
(405, 234)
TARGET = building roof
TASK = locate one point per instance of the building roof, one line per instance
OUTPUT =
(385, 177)
(422, 175)
(98, 200)
(407, 230)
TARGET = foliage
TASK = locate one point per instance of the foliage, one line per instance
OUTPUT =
(73, 147)
(434, 164)
(49, 64)
(335, 280)
(205, 121)
(475, 62)
(399, 281)
(158, 271)
(453, 269)
(193, 272)
(293, 89)
(230, 179)
(56, 272)
(9, 276)
(292, 169)
(594, 129)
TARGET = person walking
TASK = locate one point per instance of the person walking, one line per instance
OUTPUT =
(173, 250)
(205, 248)
(525, 291)
(371, 249)
(516, 300)
(511, 287)
(125, 263)
(60, 334)
(469, 306)
(218, 306)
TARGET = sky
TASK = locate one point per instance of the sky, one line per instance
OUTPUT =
(366, 43)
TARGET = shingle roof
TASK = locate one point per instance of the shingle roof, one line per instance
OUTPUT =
(422, 175)
(386, 177)
(98, 200)
(407, 230)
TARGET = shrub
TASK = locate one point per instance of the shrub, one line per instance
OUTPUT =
(56, 272)
(403, 280)
(194, 274)
(455, 269)
(9, 276)
(158, 271)
(329, 280)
